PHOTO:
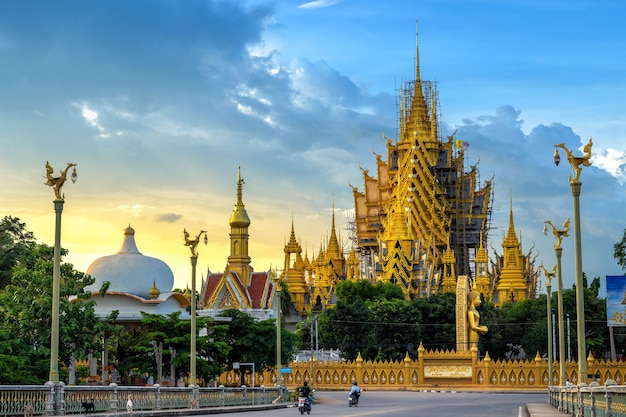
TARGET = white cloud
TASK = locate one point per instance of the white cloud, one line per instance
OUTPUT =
(90, 115)
(135, 210)
(318, 4)
(612, 161)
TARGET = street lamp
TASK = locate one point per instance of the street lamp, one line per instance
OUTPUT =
(277, 301)
(57, 183)
(574, 180)
(193, 243)
(558, 250)
(549, 276)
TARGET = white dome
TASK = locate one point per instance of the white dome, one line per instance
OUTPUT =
(128, 271)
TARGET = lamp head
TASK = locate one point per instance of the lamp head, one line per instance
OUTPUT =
(74, 176)
(557, 157)
(545, 229)
(206, 239)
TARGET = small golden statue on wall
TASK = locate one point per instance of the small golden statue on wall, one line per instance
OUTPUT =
(57, 182)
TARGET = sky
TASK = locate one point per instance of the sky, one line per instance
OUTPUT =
(159, 102)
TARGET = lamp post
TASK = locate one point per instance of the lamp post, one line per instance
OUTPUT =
(569, 349)
(277, 300)
(549, 276)
(193, 244)
(577, 163)
(558, 250)
(57, 183)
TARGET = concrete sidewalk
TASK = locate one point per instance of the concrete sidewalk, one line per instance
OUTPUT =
(543, 410)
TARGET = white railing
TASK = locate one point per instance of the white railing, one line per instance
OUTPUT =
(60, 399)
(593, 400)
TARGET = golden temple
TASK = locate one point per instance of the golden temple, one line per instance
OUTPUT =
(420, 222)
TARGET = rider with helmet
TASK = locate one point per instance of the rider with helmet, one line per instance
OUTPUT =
(356, 391)
(305, 392)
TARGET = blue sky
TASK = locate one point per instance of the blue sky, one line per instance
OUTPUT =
(160, 101)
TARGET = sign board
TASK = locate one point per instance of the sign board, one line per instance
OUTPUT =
(616, 300)
(285, 370)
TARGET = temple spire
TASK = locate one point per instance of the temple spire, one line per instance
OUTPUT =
(417, 54)
(239, 258)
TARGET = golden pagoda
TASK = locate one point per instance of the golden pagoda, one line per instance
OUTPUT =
(515, 275)
(312, 283)
(421, 220)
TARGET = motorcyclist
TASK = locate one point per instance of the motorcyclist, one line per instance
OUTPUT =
(305, 392)
(356, 391)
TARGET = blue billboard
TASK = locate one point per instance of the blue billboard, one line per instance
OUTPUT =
(616, 300)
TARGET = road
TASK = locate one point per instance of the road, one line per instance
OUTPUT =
(426, 404)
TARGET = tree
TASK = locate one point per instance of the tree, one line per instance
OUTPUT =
(346, 327)
(254, 341)
(26, 305)
(395, 329)
(349, 292)
(14, 365)
(15, 243)
(438, 320)
(170, 336)
(619, 252)
(596, 330)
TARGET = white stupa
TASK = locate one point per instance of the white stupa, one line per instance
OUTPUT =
(136, 283)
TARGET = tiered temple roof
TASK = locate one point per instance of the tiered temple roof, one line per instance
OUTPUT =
(423, 208)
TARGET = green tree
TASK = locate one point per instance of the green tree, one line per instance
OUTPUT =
(254, 341)
(15, 243)
(524, 328)
(438, 320)
(346, 327)
(172, 336)
(619, 252)
(348, 292)
(26, 305)
(394, 331)
(596, 330)
(14, 365)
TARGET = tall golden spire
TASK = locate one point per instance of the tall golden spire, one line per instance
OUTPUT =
(294, 272)
(418, 122)
(239, 218)
(334, 252)
(511, 236)
(239, 260)
(417, 54)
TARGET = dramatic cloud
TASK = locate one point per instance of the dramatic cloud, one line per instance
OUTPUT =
(160, 102)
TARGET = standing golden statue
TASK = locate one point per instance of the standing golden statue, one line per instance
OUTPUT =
(57, 182)
(193, 243)
(473, 320)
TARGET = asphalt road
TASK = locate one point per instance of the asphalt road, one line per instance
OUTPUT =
(426, 404)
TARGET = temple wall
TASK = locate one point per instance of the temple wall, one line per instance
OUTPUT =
(435, 369)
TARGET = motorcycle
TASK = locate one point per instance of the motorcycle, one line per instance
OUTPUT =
(353, 399)
(304, 405)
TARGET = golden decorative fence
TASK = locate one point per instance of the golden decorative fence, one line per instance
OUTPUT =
(432, 369)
